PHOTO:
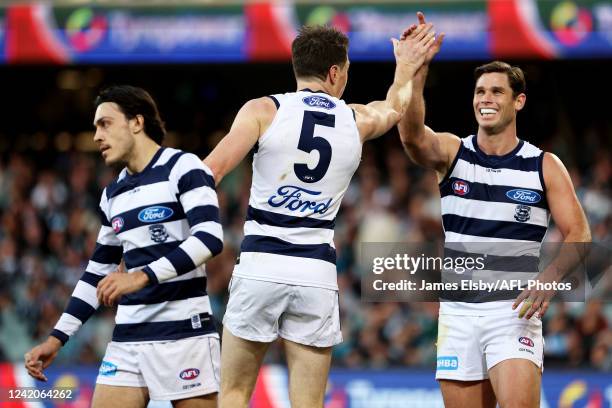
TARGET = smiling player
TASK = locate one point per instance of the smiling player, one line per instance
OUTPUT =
(496, 190)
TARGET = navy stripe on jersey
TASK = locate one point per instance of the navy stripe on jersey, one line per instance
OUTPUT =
(61, 336)
(194, 179)
(92, 278)
(150, 175)
(203, 213)
(524, 263)
(107, 254)
(513, 163)
(271, 245)
(143, 256)
(171, 330)
(166, 292)
(131, 218)
(214, 244)
(493, 229)
(488, 192)
(286, 221)
(80, 309)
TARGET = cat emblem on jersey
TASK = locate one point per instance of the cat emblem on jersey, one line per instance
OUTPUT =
(158, 233)
(522, 213)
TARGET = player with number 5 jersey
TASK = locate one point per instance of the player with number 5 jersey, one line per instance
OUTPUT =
(307, 146)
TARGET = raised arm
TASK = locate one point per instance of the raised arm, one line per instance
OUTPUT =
(250, 123)
(429, 149)
(376, 118)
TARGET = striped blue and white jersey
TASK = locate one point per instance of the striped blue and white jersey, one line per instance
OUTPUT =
(494, 205)
(301, 169)
(164, 221)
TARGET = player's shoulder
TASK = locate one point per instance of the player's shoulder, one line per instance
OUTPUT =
(267, 104)
(113, 186)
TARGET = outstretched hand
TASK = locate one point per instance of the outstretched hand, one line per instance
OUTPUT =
(434, 48)
(413, 47)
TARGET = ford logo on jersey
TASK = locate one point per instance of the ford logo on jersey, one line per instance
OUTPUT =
(523, 196)
(319, 102)
(189, 374)
(155, 214)
(291, 198)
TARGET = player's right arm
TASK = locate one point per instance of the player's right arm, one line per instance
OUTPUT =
(250, 123)
(83, 302)
(376, 118)
(427, 148)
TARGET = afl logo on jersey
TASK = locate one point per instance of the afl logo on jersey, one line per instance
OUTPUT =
(526, 341)
(317, 101)
(155, 214)
(523, 196)
(117, 223)
(189, 374)
(461, 187)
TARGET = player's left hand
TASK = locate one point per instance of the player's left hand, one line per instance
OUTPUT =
(535, 300)
(117, 284)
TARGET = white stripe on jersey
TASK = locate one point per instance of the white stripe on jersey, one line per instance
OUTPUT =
(307, 236)
(141, 236)
(305, 272)
(475, 173)
(162, 312)
(148, 195)
(484, 210)
(454, 237)
(198, 196)
(68, 324)
(100, 268)
(86, 293)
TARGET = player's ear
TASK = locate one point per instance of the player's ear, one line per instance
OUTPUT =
(334, 71)
(519, 101)
(137, 124)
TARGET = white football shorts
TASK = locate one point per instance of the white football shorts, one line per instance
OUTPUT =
(262, 311)
(171, 370)
(469, 346)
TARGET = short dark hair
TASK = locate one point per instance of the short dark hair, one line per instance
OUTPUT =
(133, 101)
(316, 49)
(516, 77)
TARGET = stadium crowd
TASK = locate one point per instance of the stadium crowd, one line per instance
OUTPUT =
(48, 228)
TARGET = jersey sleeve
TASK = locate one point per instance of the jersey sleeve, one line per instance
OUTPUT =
(105, 259)
(196, 192)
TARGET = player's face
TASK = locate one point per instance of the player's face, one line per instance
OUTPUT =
(494, 105)
(113, 135)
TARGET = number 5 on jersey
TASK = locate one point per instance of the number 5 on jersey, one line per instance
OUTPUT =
(309, 142)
